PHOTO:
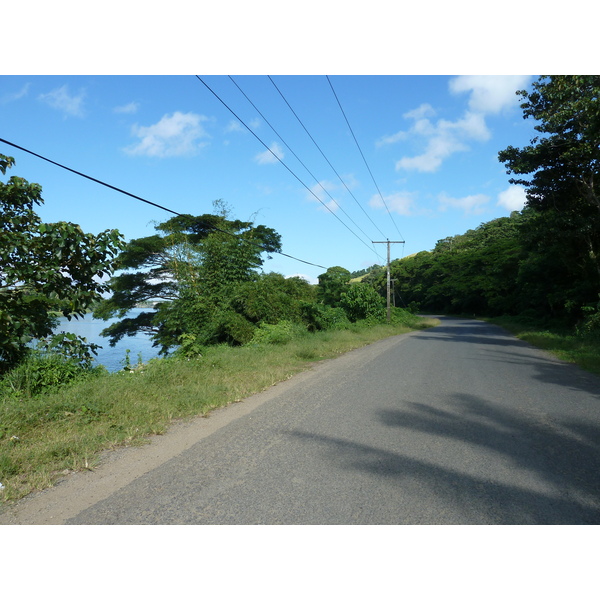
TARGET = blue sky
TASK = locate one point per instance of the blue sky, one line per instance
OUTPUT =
(408, 158)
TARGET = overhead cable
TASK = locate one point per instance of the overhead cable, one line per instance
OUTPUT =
(279, 159)
(112, 187)
(323, 154)
(300, 161)
(363, 156)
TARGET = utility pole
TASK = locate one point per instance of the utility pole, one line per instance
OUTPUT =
(389, 313)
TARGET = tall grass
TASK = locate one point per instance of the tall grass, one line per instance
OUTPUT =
(43, 436)
(583, 350)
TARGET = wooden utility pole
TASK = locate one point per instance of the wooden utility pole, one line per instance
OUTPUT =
(389, 310)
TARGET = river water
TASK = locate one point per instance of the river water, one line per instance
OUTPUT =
(112, 358)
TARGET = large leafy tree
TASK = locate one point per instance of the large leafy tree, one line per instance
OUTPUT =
(45, 269)
(332, 284)
(192, 267)
(562, 165)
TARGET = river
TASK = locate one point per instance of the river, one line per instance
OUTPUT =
(113, 358)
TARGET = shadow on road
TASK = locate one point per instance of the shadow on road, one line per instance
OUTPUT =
(509, 349)
(562, 458)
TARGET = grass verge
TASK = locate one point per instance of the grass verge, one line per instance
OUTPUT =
(49, 435)
(564, 344)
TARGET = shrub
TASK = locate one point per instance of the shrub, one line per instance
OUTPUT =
(590, 326)
(42, 371)
(234, 329)
(279, 333)
(320, 317)
(361, 301)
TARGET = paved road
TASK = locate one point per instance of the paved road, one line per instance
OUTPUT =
(459, 424)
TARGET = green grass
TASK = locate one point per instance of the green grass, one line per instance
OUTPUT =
(562, 343)
(43, 436)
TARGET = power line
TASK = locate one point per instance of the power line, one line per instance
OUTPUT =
(299, 160)
(363, 157)
(279, 159)
(112, 187)
(323, 154)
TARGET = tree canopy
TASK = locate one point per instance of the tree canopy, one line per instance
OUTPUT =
(563, 163)
(45, 268)
(195, 267)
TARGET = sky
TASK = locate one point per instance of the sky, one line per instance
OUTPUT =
(332, 163)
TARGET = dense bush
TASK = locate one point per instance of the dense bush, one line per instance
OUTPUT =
(319, 317)
(271, 298)
(41, 372)
(361, 301)
(277, 333)
(590, 325)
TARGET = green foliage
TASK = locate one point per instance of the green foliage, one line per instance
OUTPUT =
(271, 298)
(561, 169)
(361, 301)
(205, 271)
(590, 325)
(320, 317)
(332, 284)
(277, 333)
(43, 371)
(367, 271)
(45, 268)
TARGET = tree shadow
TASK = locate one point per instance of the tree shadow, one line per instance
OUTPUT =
(505, 347)
(470, 331)
(560, 459)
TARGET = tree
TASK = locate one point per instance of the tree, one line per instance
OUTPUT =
(193, 266)
(45, 268)
(332, 284)
(361, 301)
(564, 161)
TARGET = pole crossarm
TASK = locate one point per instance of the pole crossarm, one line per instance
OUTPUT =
(388, 242)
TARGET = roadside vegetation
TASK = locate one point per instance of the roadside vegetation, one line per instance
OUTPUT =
(537, 271)
(568, 344)
(45, 435)
(226, 328)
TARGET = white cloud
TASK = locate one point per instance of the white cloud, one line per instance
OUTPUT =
(322, 192)
(62, 100)
(421, 125)
(424, 111)
(173, 135)
(271, 155)
(391, 139)
(233, 126)
(489, 93)
(444, 138)
(128, 109)
(16, 95)
(512, 198)
(470, 205)
(401, 203)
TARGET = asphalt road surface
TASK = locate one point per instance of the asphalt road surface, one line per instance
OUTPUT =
(459, 424)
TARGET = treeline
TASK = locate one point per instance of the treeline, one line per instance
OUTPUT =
(533, 264)
(207, 271)
(544, 262)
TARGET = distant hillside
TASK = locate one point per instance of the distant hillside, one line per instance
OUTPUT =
(359, 275)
